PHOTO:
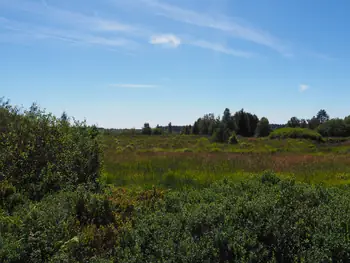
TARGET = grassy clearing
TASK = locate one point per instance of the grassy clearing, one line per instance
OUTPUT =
(183, 161)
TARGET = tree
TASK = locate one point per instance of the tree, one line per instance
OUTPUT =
(226, 117)
(334, 128)
(170, 128)
(253, 123)
(322, 116)
(195, 128)
(157, 130)
(303, 123)
(245, 123)
(294, 122)
(263, 129)
(221, 134)
(313, 123)
(228, 120)
(347, 120)
(64, 117)
(146, 130)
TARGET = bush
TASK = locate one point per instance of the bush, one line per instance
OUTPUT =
(233, 139)
(334, 128)
(221, 134)
(265, 220)
(40, 153)
(263, 128)
(157, 131)
(296, 133)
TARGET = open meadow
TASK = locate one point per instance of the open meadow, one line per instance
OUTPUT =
(183, 161)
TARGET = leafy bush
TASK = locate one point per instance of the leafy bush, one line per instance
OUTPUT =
(233, 139)
(274, 221)
(40, 153)
(334, 128)
(221, 134)
(296, 133)
(263, 129)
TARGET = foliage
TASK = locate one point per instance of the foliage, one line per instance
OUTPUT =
(246, 123)
(296, 133)
(233, 139)
(157, 131)
(322, 116)
(264, 220)
(263, 128)
(334, 128)
(41, 154)
(221, 134)
(294, 122)
(170, 128)
(313, 123)
(170, 198)
(195, 128)
(146, 130)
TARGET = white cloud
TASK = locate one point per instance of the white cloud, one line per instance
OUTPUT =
(303, 87)
(221, 23)
(167, 40)
(134, 86)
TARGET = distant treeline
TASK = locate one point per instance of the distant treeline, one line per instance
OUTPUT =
(244, 124)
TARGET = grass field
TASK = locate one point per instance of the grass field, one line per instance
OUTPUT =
(183, 161)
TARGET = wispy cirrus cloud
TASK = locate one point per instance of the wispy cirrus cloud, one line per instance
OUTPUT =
(303, 87)
(28, 31)
(64, 25)
(134, 86)
(221, 23)
(221, 48)
(83, 29)
(62, 17)
(168, 40)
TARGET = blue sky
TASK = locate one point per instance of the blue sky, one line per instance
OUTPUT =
(120, 63)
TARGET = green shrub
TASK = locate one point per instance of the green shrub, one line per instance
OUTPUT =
(296, 133)
(40, 153)
(221, 134)
(233, 139)
(334, 128)
(274, 221)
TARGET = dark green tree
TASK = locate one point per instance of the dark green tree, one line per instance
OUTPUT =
(246, 123)
(221, 134)
(263, 129)
(170, 128)
(334, 128)
(195, 128)
(157, 130)
(322, 116)
(294, 122)
(146, 130)
(313, 123)
(228, 120)
(303, 123)
(347, 120)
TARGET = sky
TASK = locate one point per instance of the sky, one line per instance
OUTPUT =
(121, 63)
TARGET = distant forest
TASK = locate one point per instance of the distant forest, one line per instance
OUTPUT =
(244, 124)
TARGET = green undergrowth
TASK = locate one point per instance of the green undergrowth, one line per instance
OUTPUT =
(296, 133)
(291, 140)
(181, 169)
(262, 219)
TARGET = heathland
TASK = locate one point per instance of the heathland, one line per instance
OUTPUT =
(230, 189)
